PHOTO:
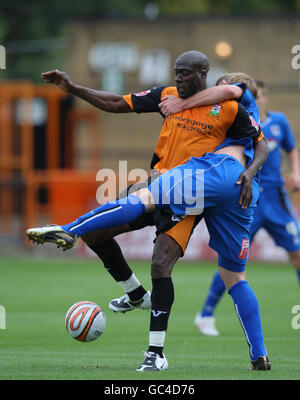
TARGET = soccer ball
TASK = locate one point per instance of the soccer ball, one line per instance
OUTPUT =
(85, 321)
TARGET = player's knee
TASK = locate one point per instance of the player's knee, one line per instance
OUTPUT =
(295, 258)
(160, 269)
(230, 278)
(146, 197)
(166, 253)
(95, 239)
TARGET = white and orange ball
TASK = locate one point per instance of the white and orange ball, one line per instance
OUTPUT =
(85, 321)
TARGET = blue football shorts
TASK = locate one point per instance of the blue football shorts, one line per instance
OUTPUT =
(208, 185)
(274, 213)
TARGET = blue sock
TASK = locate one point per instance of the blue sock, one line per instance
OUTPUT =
(115, 213)
(216, 290)
(246, 306)
(298, 275)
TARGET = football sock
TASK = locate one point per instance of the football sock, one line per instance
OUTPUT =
(115, 213)
(298, 275)
(112, 257)
(216, 291)
(137, 293)
(246, 306)
(133, 288)
(162, 298)
(156, 342)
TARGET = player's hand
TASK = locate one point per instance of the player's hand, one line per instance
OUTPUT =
(59, 78)
(294, 182)
(245, 179)
(170, 105)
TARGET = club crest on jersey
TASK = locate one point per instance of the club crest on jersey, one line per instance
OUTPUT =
(176, 218)
(142, 93)
(272, 144)
(275, 130)
(215, 111)
(253, 123)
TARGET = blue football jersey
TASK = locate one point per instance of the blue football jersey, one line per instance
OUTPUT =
(279, 135)
(249, 102)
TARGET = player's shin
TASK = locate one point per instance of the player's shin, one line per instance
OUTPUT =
(115, 213)
(162, 298)
(215, 292)
(113, 259)
(246, 306)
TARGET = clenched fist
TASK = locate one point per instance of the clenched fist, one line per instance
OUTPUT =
(59, 78)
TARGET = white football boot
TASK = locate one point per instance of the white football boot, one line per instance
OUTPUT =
(52, 234)
(153, 362)
(123, 303)
(206, 325)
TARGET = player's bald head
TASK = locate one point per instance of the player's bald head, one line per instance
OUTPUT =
(193, 60)
(191, 70)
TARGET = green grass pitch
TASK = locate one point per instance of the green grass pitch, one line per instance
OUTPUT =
(35, 345)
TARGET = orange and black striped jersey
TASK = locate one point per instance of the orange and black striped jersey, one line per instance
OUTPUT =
(193, 132)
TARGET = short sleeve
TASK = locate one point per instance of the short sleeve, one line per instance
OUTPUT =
(146, 101)
(248, 101)
(244, 125)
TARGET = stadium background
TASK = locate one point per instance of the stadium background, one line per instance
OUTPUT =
(52, 145)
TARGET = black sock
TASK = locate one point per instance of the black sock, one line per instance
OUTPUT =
(156, 349)
(112, 257)
(137, 294)
(162, 298)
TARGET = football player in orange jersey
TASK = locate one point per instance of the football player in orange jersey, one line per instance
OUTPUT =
(191, 70)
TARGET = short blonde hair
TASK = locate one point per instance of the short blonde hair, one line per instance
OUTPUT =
(239, 77)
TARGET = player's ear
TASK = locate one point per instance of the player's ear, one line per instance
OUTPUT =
(203, 76)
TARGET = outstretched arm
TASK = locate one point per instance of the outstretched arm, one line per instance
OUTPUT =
(171, 104)
(261, 152)
(105, 101)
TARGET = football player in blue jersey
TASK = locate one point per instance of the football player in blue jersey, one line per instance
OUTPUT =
(274, 212)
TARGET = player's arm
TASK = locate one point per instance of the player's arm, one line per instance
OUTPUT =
(261, 152)
(171, 104)
(294, 177)
(245, 126)
(289, 145)
(105, 101)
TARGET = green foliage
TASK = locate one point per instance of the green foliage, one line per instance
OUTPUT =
(256, 7)
(22, 21)
(188, 7)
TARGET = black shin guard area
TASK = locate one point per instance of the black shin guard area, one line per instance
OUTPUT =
(162, 298)
(112, 257)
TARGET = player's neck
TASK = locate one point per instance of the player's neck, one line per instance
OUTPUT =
(263, 115)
